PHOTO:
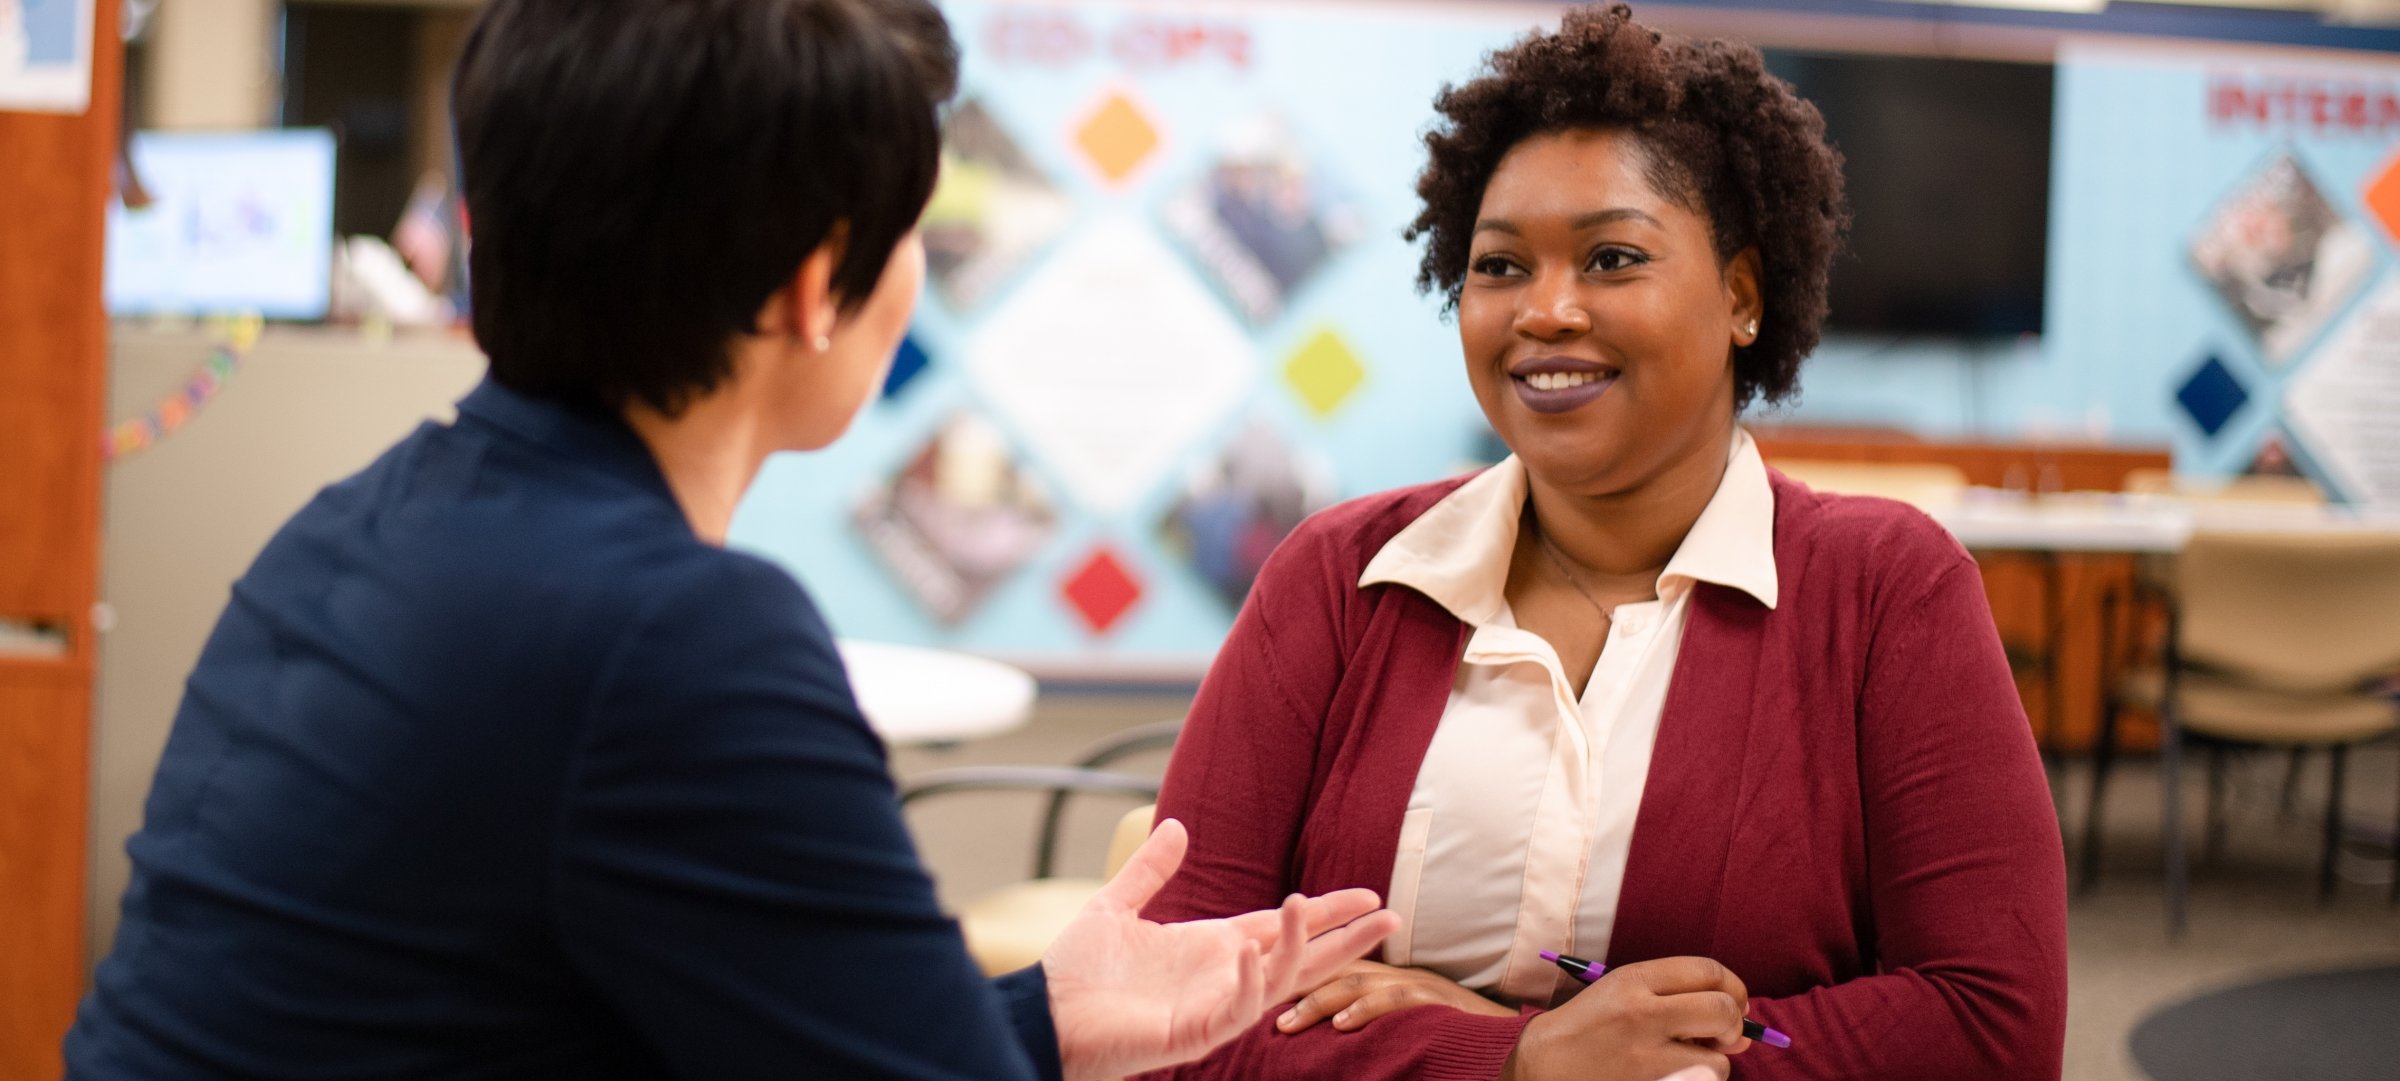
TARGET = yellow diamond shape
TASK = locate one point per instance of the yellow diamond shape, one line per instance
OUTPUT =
(1117, 137)
(1324, 372)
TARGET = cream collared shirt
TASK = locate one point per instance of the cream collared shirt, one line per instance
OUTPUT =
(1522, 816)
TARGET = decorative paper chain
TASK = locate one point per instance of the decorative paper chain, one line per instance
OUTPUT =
(233, 337)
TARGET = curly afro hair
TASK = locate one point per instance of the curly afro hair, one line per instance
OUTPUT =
(1724, 138)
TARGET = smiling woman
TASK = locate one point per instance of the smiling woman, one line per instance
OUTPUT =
(1630, 694)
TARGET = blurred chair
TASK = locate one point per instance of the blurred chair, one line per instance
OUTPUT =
(2221, 494)
(1009, 928)
(1924, 485)
(2272, 639)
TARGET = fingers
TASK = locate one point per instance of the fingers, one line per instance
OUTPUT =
(1699, 1073)
(1330, 999)
(1320, 913)
(1249, 996)
(1328, 952)
(1388, 998)
(1281, 965)
(1148, 868)
(1709, 1018)
(1340, 907)
(1681, 975)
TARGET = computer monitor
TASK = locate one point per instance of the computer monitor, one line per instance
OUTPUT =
(239, 222)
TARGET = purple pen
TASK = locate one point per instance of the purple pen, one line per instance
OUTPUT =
(1587, 971)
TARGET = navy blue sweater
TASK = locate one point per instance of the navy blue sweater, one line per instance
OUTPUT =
(492, 769)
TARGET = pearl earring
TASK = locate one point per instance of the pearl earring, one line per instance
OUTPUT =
(1751, 328)
(824, 343)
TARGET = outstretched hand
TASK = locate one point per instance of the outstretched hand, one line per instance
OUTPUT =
(1129, 995)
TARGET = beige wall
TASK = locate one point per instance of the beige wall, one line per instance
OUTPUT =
(212, 64)
(184, 518)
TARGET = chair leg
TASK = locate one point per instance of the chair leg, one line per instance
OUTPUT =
(2104, 753)
(2396, 859)
(2291, 783)
(2333, 825)
(2170, 783)
(2212, 837)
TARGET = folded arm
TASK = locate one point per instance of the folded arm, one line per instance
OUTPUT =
(1966, 871)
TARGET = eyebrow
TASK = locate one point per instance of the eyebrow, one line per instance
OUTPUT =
(1581, 222)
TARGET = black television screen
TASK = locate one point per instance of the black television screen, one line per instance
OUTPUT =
(1948, 165)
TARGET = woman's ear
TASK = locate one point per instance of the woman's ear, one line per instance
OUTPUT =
(805, 309)
(1745, 300)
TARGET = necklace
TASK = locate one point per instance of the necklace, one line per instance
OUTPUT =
(1559, 561)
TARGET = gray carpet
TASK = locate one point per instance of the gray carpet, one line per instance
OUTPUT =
(2323, 1026)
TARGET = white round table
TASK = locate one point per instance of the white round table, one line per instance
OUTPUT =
(912, 694)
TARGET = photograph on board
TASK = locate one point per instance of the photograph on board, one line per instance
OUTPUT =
(992, 210)
(2282, 257)
(960, 518)
(1262, 219)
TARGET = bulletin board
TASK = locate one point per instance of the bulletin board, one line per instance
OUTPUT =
(2223, 224)
(1168, 313)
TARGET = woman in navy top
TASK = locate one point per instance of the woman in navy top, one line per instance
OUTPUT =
(499, 765)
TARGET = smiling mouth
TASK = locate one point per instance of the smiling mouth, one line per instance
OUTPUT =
(1555, 387)
(1562, 380)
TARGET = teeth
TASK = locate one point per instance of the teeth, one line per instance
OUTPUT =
(1560, 380)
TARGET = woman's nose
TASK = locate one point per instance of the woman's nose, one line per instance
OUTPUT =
(1552, 308)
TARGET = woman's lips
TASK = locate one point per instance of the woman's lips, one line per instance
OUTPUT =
(1561, 391)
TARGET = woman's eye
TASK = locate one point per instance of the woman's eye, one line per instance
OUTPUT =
(1493, 266)
(1607, 259)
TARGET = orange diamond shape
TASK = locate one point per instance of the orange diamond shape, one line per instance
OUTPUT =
(1117, 137)
(2383, 197)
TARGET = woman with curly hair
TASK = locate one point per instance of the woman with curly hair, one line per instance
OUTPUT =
(1631, 694)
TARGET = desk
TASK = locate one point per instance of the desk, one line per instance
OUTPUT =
(911, 694)
(2107, 524)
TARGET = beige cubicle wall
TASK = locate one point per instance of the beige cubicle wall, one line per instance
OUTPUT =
(184, 518)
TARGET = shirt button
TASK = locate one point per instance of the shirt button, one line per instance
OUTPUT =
(1627, 628)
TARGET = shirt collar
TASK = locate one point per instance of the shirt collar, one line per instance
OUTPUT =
(593, 438)
(1457, 552)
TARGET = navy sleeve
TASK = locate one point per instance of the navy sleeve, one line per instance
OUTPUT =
(1027, 995)
(733, 873)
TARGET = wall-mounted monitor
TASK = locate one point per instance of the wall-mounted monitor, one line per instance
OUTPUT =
(1948, 165)
(238, 222)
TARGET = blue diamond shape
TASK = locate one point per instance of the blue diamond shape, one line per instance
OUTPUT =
(2212, 396)
(909, 363)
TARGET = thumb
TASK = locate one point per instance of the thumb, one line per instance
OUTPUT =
(1149, 868)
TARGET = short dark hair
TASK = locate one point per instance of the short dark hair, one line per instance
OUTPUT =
(1724, 138)
(641, 175)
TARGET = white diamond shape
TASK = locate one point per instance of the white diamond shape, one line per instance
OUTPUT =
(2346, 405)
(1110, 361)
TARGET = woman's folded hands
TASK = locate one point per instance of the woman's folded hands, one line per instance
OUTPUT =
(1641, 1022)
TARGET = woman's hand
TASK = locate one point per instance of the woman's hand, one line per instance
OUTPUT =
(1640, 1022)
(1363, 991)
(1128, 995)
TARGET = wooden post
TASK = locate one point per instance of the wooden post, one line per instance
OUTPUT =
(54, 184)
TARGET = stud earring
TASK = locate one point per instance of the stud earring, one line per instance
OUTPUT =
(824, 343)
(1751, 328)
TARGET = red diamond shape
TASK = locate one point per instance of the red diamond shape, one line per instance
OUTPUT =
(1101, 590)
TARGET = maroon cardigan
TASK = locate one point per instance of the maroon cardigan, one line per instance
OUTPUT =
(1844, 805)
